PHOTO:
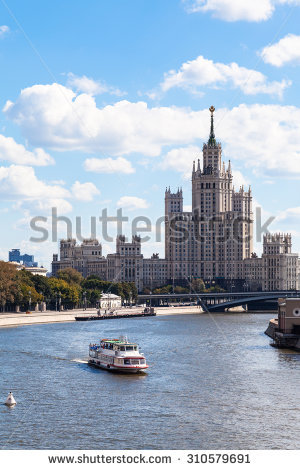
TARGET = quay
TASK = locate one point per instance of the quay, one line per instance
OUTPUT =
(285, 330)
(11, 320)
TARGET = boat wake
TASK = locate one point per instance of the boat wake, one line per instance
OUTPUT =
(46, 356)
(80, 361)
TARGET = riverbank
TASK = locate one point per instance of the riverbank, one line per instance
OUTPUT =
(21, 319)
(10, 320)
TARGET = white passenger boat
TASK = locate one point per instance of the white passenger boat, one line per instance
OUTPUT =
(118, 355)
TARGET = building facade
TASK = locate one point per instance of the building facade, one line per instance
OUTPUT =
(214, 241)
(278, 267)
(14, 255)
(86, 258)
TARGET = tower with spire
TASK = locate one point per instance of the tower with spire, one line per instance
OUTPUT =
(219, 226)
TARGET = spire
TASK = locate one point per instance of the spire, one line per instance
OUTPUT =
(194, 166)
(212, 140)
(198, 168)
(229, 167)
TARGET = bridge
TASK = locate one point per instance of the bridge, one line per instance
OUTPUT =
(219, 301)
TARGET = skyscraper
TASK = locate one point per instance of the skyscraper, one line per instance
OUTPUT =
(211, 241)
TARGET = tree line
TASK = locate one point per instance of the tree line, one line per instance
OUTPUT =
(193, 287)
(68, 289)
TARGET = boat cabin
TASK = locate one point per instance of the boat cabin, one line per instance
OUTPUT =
(117, 345)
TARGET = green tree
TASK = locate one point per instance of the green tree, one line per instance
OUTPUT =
(70, 275)
(68, 293)
(197, 285)
(8, 287)
(181, 290)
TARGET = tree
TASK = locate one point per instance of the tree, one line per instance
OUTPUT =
(8, 287)
(41, 284)
(197, 285)
(68, 293)
(181, 290)
(70, 275)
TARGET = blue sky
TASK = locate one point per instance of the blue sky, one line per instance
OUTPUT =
(105, 103)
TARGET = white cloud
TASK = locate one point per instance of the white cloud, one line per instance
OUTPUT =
(3, 30)
(285, 51)
(202, 72)
(239, 179)
(44, 206)
(181, 160)
(84, 191)
(233, 10)
(132, 203)
(54, 117)
(265, 138)
(91, 87)
(290, 216)
(237, 10)
(19, 183)
(17, 153)
(108, 165)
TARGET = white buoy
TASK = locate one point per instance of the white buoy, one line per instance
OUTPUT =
(10, 401)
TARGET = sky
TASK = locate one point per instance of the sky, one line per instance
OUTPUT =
(105, 103)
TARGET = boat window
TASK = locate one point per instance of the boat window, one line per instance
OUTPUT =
(122, 348)
(129, 348)
(135, 348)
(126, 361)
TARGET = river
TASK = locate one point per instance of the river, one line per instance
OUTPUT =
(214, 382)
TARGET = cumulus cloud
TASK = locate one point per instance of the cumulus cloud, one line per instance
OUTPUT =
(108, 165)
(43, 207)
(90, 86)
(260, 136)
(196, 74)
(19, 183)
(3, 30)
(181, 160)
(233, 10)
(55, 117)
(84, 191)
(285, 51)
(237, 10)
(16, 153)
(265, 138)
(132, 203)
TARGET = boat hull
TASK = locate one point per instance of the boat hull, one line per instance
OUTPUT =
(113, 368)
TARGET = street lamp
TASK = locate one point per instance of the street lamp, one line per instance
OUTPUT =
(29, 292)
(41, 305)
(59, 301)
(84, 300)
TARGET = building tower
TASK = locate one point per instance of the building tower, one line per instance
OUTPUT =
(222, 217)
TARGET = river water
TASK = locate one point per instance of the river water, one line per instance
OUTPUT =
(214, 382)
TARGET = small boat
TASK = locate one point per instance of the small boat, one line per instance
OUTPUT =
(10, 401)
(117, 355)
